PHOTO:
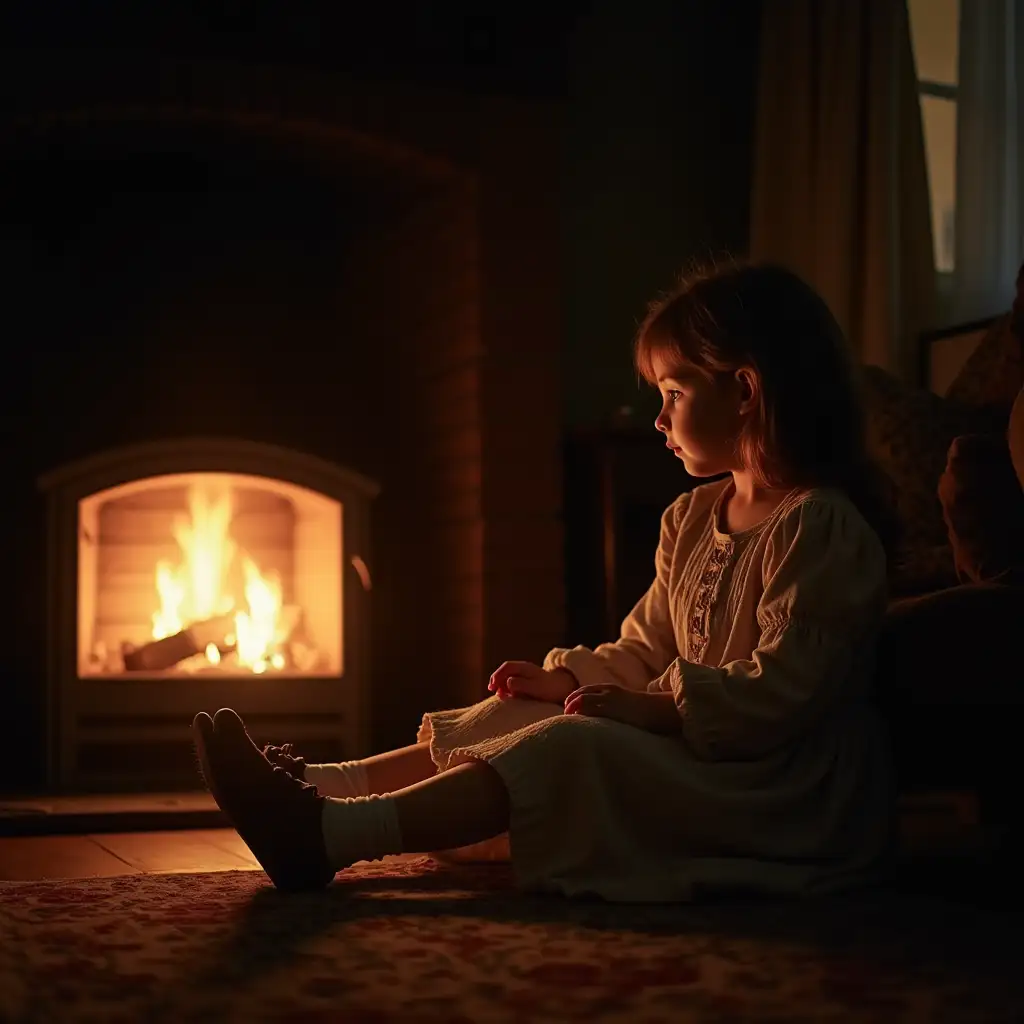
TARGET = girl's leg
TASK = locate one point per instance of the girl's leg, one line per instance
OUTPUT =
(381, 773)
(396, 769)
(302, 838)
(462, 806)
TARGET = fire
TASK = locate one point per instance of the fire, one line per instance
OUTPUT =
(200, 587)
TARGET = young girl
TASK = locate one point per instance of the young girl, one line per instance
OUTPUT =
(725, 740)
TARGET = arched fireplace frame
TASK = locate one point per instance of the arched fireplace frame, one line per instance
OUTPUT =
(99, 728)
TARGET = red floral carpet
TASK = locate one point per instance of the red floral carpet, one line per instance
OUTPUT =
(414, 941)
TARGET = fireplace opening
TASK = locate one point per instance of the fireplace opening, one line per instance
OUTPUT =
(209, 575)
(196, 573)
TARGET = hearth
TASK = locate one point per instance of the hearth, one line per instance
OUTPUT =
(196, 574)
(245, 294)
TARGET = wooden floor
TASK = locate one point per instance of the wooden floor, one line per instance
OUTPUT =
(932, 823)
(34, 858)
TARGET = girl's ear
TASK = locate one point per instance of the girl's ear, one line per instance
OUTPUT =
(749, 386)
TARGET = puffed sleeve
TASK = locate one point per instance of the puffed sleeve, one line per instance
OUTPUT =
(647, 641)
(824, 579)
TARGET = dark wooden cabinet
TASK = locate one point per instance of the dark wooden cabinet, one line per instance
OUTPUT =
(618, 481)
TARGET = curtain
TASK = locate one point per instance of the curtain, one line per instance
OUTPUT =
(989, 232)
(840, 192)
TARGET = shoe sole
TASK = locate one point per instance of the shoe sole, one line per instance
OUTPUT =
(199, 741)
(203, 756)
(282, 880)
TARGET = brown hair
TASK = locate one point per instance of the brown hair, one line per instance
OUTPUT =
(808, 429)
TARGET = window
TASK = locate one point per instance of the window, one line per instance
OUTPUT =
(935, 31)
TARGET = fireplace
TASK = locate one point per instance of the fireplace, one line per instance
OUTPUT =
(254, 585)
(250, 297)
(198, 574)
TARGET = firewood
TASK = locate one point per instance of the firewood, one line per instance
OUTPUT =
(158, 655)
(212, 631)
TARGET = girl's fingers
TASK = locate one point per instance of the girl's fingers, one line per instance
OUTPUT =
(501, 675)
(525, 670)
(500, 687)
(581, 705)
(583, 691)
(587, 704)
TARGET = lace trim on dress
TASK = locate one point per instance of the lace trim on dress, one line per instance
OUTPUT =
(707, 594)
(710, 581)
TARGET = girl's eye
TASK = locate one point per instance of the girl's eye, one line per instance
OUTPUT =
(673, 396)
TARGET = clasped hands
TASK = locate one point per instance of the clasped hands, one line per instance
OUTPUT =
(655, 712)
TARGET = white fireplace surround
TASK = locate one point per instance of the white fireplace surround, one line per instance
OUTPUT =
(92, 716)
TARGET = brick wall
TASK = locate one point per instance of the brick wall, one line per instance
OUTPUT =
(469, 280)
(522, 301)
(411, 289)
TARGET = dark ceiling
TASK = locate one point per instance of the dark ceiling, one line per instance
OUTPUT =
(491, 46)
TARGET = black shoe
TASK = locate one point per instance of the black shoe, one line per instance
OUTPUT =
(277, 816)
(282, 757)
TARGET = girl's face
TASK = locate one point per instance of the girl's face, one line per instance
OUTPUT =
(701, 416)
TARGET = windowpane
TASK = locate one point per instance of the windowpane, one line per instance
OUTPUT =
(935, 30)
(939, 116)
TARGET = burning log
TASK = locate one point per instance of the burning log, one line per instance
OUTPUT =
(160, 654)
(166, 653)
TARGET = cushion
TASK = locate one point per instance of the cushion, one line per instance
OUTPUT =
(983, 506)
(910, 431)
(993, 374)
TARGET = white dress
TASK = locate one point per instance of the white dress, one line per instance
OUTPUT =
(779, 779)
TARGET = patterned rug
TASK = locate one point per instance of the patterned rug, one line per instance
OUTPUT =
(416, 941)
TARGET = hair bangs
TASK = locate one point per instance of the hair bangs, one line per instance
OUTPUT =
(666, 336)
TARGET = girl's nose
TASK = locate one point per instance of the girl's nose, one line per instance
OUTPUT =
(661, 422)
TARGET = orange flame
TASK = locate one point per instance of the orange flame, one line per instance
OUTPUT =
(197, 589)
